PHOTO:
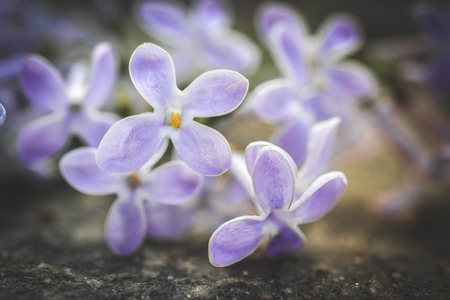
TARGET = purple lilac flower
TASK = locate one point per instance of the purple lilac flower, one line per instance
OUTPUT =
(316, 76)
(136, 140)
(280, 211)
(200, 39)
(2, 114)
(148, 201)
(436, 24)
(72, 104)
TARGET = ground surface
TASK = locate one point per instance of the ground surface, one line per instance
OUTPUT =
(51, 247)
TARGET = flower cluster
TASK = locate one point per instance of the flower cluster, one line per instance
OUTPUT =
(174, 163)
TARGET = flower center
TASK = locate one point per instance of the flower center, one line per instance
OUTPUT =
(173, 118)
(134, 180)
(176, 120)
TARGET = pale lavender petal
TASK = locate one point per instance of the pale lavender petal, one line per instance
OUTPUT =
(235, 240)
(126, 224)
(275, 101)
(102, 77)
(287, 52)
(293, 139)
(42, 137)
(164, 21)
(319, 148)
(287, 239)
(184, 64)
(251, 153)
(212, 16)
(2, 114)
(130, 143)
(271, 14)
(320, 197)
(273, 179)
(351, 79)
(214, 93)
(340, 36)
(173, 183)
(80, 170)
(234, 51)
(42, 84)
(92, 125)
(164, 220)
(202, 148)
(153, 74)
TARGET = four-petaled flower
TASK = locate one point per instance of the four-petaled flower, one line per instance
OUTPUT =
(146, 198)
(199, 40)
(280, 212)
(315, 75)
(136, 140)
(73, 104)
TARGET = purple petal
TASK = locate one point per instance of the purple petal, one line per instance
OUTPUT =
(271, 14)
(233, 51)
(287, 52)
(287, 239)
(173, 183)
(42, 84)
(275, 101)
(164, 21)
(320, 197)
(235, 240)
(153, 75)
(80, 170)
(126, 224)
(340, 36)
(43, 137)
(212, 16)
(273, 179)
(215, 93)
(293, 139)
(251, 153)
(352, 79)
(103, 76)
(320, 146)
(130, 143)
(202, 148)
(2, 114)
(92, 125)
(166, 221)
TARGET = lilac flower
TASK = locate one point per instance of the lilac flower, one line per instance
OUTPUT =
(201, 39)
(2, 114)
(437, 26)
(135, 140)
(145, 198)
(316, 76)
(280, 212)
(73, 104)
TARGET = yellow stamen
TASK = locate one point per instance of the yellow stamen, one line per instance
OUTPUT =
(135, 179)
(176, 120)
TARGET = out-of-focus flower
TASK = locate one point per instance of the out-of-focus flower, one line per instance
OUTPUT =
(2, 114)
(436, 23)
(148, 201)
(309, 146)
(280, 212)
(199, 40)
(316, 76)
(136, 140)
(73, 104)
